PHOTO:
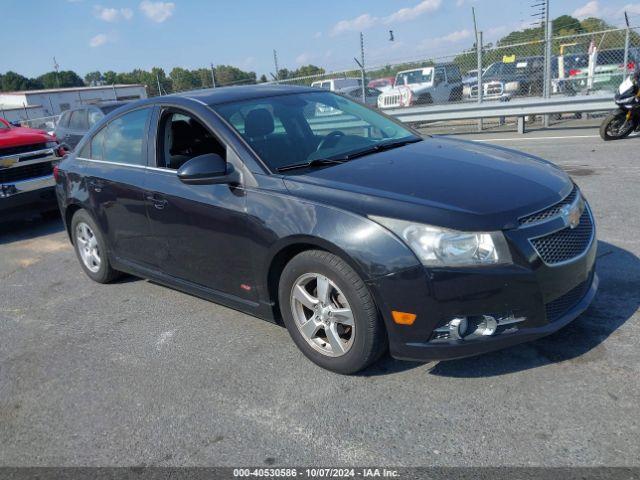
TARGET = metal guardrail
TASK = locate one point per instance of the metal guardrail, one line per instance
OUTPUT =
(513, 108)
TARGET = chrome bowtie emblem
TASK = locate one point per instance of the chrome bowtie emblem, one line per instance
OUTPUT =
(571, 214)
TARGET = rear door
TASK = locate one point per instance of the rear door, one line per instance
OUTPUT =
(115, 162)
(441, 88)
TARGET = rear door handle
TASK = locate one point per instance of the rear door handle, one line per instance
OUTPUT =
(157, 201)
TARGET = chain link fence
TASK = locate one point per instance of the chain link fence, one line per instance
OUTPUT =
(43, 123)
(579, 64)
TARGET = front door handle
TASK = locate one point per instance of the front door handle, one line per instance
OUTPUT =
(97, 185)
(157, 201)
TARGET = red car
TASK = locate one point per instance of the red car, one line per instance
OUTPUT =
(26, 169)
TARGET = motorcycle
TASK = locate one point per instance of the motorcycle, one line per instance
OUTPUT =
(621, 122)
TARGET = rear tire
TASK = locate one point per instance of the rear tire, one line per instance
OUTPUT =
(610, 122)
(91, 248)
(329, 313)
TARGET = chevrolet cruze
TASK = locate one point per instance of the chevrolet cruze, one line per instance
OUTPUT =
(303, 207)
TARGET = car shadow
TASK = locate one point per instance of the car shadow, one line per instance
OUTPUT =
(618, 298)
(31, 227)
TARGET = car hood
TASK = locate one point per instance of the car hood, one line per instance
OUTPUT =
(439, 181)
(19, 136)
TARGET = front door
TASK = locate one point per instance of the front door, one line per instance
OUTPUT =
(201, 231)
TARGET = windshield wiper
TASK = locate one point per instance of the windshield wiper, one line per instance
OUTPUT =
(380, 147)
(316, 162)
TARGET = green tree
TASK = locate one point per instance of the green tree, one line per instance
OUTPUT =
(12, 81)
(110, 77)
(183, 79)
(230, 75)
(93, 77)
(62, 79)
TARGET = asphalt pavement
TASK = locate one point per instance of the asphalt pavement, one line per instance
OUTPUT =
(134, 373)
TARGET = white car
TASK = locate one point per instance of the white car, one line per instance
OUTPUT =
(335, 84)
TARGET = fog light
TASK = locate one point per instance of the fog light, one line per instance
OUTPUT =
(486, 327)
(457, 328)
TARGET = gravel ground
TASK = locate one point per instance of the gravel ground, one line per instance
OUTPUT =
(137, 374)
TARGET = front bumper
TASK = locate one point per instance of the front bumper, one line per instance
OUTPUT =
(545, 297)
(30, 194)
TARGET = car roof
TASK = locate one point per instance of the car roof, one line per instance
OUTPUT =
(111, 104)
(216, 96)
(416, 69)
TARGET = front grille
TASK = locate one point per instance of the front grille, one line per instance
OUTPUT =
(566, 302)
(550, 211)
(25, 172)
(567, 243)
(391, 100)
(4, 152)
(492, 89)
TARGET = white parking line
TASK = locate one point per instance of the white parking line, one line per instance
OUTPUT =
(526, 139)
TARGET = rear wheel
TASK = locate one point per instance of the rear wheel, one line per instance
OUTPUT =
(330, 313)
(615, 126)
(91, 248)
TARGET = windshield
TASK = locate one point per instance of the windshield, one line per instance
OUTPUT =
(3, 124)
(299, 128)
(414, 76)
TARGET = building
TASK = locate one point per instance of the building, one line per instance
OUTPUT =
(30, 104)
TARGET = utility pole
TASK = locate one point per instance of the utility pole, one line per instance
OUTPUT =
(56, 67)
(362, 72)
(626, 45)
(213, 77)
(159, 87)
(547, 57)
(479, 64)
(275, 62)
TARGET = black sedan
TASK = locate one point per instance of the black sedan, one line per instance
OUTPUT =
(302, 206)
(74, 123)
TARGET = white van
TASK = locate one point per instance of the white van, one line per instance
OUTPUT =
(334, 84)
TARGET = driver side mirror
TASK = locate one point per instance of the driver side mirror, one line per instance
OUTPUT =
(208, 169)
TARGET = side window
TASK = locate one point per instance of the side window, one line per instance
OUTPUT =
(94, 117)
(64, 120)
(96, 145)
(453, 74)
(124, 138)
(78, 120)
(439, 76)
(182, 137)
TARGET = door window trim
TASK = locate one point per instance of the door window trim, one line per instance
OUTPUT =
(166, 109)
(145, 140)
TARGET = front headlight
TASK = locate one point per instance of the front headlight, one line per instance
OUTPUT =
(441, 247)
(511, 86)
(51, 144)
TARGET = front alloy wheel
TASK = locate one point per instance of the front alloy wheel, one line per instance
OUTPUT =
(329, 312)
(322, 314)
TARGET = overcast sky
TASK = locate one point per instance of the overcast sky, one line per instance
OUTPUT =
(121, 35)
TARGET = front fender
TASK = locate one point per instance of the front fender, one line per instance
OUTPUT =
(283, 221)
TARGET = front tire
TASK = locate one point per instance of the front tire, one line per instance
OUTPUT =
(612, 126)
(329, 313)
(91, 248)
